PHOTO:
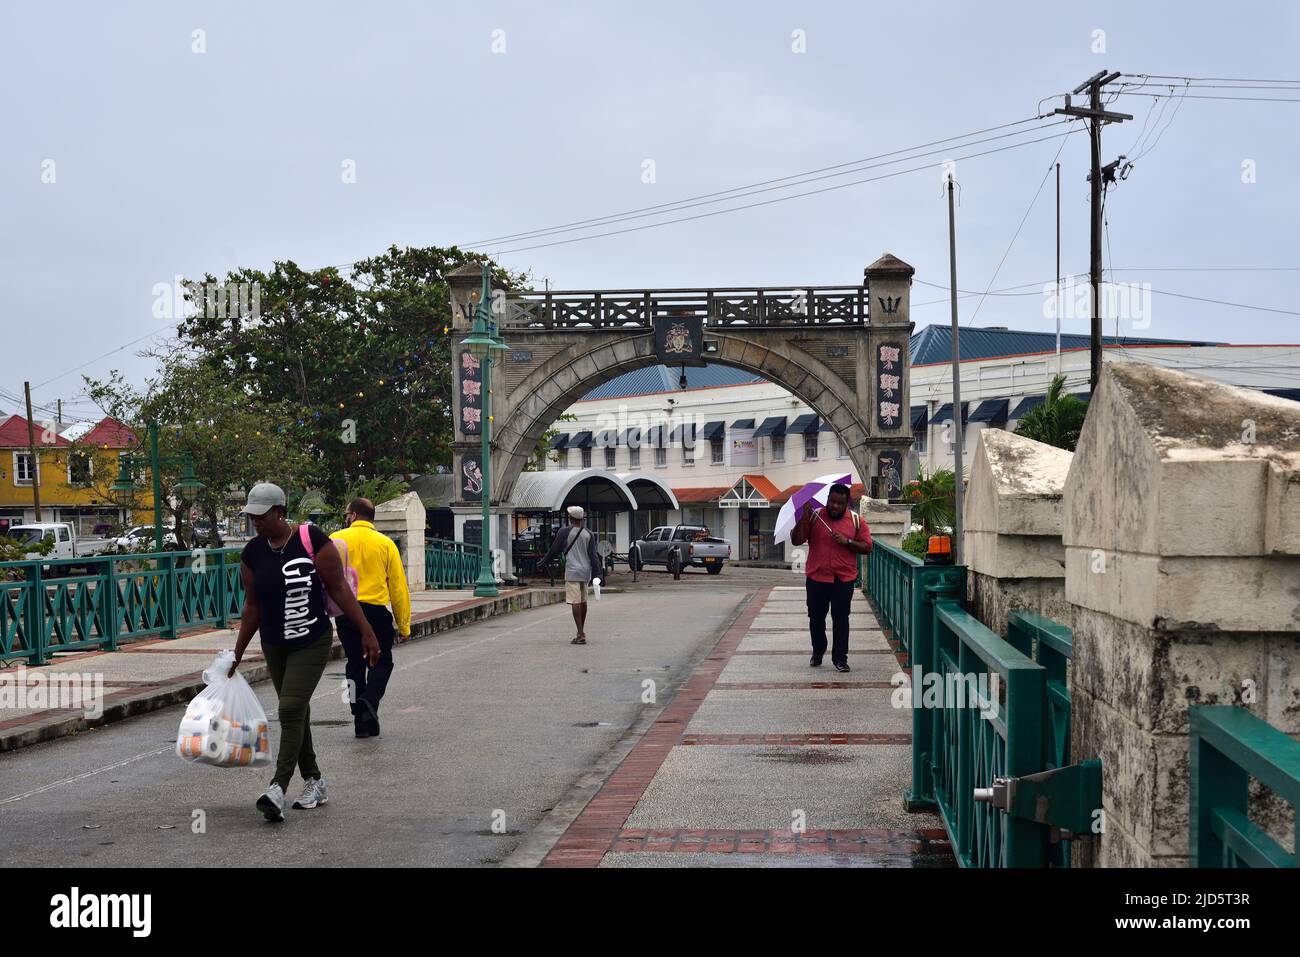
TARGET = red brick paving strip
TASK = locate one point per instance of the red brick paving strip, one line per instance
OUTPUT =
(597, 827)
(877, 842)
(795, 740)
(802, 685)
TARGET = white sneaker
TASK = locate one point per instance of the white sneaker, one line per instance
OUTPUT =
(313, 793)
(271, 803)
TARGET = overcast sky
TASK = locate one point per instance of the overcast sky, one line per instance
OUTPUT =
(469, 121)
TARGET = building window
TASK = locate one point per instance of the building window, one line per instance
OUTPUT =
(921, 437)
(586, 458)
(661, 458)
(778, 448)
(609, 458)
(715, 451)
(634, 458)
(688, 455)
(80, 468)
(841, 450)
(23, 468)
(810, 446)
(562, 458)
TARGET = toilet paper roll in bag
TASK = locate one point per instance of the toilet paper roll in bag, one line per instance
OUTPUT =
(224, 725)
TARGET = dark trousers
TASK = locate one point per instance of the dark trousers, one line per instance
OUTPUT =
(836, 596)
(368, 683)
(295, 672)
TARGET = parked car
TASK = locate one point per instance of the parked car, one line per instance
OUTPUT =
(142, 535)
(66, 542)
(684, 545)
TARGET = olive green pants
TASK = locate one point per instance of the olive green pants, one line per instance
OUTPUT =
(296, 672)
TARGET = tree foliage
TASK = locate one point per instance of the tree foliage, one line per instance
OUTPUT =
(1058, 420)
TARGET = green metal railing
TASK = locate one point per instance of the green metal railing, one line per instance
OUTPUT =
(986, 711)
(450, 564)
(45, 607)
(1229, 746)
(983, 734)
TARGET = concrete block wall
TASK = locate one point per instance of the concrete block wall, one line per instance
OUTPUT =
(1183, 570)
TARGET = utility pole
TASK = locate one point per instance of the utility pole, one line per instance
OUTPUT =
(1096, 117)
(31, 452)
(1058, 268)
(956, 383)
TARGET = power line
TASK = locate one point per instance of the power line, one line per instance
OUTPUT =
(1014, 237)
(1241, 99)
(692, 201)
(778, 199)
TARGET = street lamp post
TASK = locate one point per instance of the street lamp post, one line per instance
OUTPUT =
(482, 343)
(125, 484)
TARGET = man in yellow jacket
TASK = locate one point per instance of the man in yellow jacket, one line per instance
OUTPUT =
(381, 582)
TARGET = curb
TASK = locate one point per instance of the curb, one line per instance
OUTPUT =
(184, 687)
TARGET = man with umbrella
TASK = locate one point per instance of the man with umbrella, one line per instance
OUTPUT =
(835, 538)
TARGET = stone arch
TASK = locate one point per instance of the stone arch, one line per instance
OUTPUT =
(534, 403)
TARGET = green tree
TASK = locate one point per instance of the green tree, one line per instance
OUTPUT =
(233, 438)
(1058, 420)
(933, 499)
(362, 360)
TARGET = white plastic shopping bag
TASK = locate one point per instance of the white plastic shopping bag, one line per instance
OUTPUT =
(224, 725)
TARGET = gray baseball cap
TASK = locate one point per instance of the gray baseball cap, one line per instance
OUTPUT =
(262, 497)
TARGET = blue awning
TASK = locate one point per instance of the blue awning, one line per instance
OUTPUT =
(773, 425)
(581, 441)
(743, 424)
(805, 425)
(991, 410)
(684, 433)
(607, 439)
(714, 430)
(1292, 394)
(1026, 404)
(653, 436)
(919, 418)
(945, 414)
(560, 441)
(630, 437)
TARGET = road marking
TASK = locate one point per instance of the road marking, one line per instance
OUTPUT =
(170, 749)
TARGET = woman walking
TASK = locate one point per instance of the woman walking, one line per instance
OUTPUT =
(286, 570)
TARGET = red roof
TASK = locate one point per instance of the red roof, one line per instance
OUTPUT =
(763, 486)
(109, 433)
(13, 434)
(696, 496)
(855, 492)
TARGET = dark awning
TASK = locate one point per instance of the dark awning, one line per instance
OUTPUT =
(991, 410)
(653, 436)
(714, 430)
(1085, 396)
(945, 413)
(630, 437)
(826, 426)
(806, 424)
(684, 433)
(1292, 394)
(773, 425)
(743, 424)
(560, 441)
(581, 441)
(607, 439)
(1025, 404)
(919, 418)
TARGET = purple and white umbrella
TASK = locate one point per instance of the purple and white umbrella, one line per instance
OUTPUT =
(815, 491)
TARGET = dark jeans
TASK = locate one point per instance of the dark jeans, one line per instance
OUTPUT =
(836, 596)
(295, 672)
(370, 683)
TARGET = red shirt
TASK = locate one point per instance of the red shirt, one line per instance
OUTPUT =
(827, 559)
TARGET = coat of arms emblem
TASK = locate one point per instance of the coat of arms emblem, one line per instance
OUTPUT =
(677, 338)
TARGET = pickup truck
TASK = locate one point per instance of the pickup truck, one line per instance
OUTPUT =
(685, 545)
(66, 543)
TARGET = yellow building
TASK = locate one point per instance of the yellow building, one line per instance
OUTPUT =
(76, 476)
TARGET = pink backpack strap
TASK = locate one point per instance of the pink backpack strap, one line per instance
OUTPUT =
(304, 536)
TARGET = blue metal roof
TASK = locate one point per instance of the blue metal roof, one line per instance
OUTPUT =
(666, 379)
(933, 344)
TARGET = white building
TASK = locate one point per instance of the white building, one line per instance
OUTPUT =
(1005, 373)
